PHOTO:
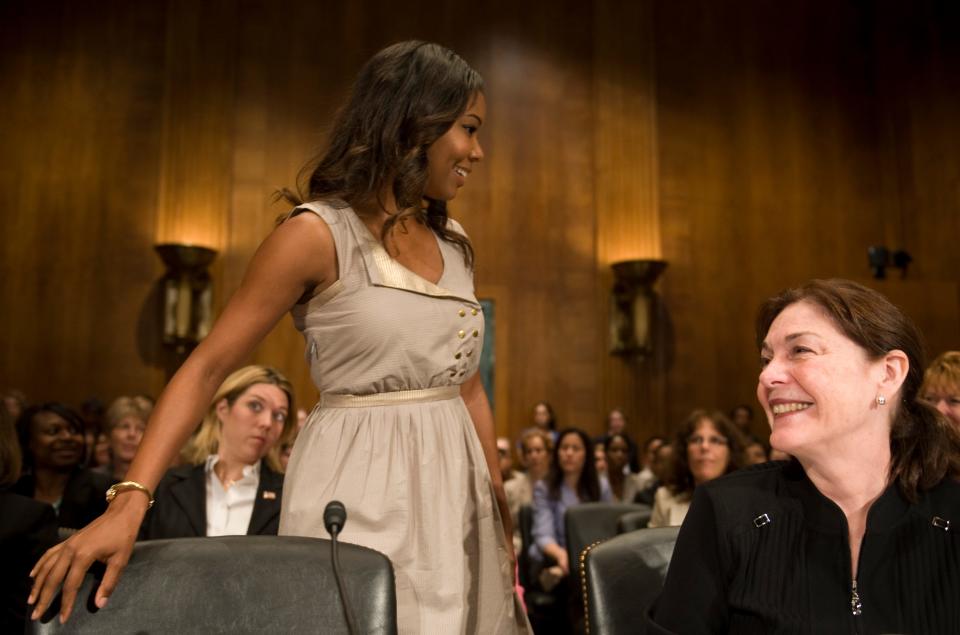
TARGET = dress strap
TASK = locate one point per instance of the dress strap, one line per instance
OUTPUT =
(423, 395)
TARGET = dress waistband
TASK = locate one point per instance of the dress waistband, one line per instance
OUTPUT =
(423, 395)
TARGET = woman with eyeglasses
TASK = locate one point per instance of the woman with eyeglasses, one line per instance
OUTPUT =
(706, 446)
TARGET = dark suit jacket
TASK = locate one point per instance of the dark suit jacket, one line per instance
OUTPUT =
(180, 510)
(84, 497)
(27, 529)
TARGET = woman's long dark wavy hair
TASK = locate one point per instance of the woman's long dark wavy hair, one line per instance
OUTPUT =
(924, 446)
(405, 98)
(588, 485)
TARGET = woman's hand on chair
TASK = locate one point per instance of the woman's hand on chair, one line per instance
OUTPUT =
(108, 539)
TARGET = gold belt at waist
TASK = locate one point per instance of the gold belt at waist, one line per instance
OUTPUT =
(424, 395)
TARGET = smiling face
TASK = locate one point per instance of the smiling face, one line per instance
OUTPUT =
(55, 443)
(708, 452)
(254, 422)
(452, 157)
(817, 387)
(535, 456)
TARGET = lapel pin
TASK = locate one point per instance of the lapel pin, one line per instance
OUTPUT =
(269, 496)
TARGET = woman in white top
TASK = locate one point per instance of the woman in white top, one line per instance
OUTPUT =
(232, 481)
(708, 445)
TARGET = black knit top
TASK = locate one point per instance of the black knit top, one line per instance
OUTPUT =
(763, 551)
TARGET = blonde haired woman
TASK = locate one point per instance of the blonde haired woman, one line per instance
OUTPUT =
(232, 479)
(941, 386)
(125, 422)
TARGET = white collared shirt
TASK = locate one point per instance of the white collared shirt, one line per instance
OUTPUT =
(229, 510)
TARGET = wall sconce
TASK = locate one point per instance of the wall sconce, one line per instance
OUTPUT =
(631, 306)
(187, 294)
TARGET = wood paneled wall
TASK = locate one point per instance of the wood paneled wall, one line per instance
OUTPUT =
(752, 145)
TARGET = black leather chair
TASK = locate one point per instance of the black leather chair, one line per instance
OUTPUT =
(622, 578)
(591, 522)
(632, 521)
(237, 584)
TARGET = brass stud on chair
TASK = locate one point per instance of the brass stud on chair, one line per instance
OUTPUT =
(583, 585)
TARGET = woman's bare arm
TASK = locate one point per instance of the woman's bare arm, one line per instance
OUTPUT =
(298, 258)
(475, 397)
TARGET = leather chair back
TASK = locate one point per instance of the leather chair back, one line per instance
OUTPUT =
(237, 584)
(623, 577)
(590, 522)
(632, 521)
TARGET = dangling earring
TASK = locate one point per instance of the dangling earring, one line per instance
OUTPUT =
(881, 400)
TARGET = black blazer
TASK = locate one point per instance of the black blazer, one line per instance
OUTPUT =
(27, 529)
(180, 510)
(84, 497)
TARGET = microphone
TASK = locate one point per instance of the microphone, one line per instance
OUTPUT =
(334, 518)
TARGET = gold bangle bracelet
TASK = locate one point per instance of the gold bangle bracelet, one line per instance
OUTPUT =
(127, 486)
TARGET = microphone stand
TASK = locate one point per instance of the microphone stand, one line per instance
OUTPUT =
(334, 518)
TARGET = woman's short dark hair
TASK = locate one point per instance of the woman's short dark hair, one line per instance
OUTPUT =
(588, 486)
(924, 447)
(405, 98)
(682, 483)
(25, 421)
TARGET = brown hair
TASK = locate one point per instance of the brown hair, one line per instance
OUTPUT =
(405, 98)
(545, 436)
(681, 483)
(206, 440)
(11, 460)
(924, 448)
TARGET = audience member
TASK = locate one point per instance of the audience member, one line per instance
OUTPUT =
(941, 386)
(51, 437)
(624, 485)
(855, 534)
(755, 453)
(91, 413)
(572, 480)
(125, 421)
(27, 529)
(14, 401)
(742, 417)
(646, 477)
(101, 452)
(708, 445)
(286, 449)
(617, 424)
(544, 418)
(536, 447)
(505, 459)
(231, 482)
(600, 456)
(662, 468)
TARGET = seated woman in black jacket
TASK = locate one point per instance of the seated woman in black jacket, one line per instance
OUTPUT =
(51, 438)
(233, 481)
(858, 533)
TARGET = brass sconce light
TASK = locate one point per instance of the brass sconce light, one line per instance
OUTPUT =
(187, 294)
(631, 306)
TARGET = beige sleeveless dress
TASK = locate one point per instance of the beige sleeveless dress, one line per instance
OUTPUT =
(392, 439)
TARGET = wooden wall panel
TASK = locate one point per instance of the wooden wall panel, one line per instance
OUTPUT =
(753, 146)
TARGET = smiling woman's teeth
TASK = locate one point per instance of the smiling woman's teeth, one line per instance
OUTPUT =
(781, 408)
(461, 172)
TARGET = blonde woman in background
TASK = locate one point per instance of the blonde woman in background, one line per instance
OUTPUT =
(125, 421)
(231, 479)
(941, 386)
(536, 447)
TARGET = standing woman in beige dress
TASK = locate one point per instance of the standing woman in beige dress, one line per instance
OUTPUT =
(380, 282)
